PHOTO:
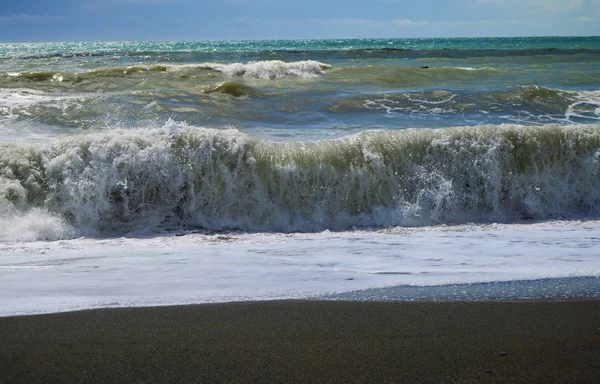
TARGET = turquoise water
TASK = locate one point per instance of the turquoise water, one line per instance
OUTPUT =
(301, 135)
(303, 89)
(216, 48)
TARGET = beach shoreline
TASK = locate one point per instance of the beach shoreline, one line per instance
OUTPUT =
(419, 210)
(309, 341)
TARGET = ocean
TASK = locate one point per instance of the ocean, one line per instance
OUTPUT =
(157, 173)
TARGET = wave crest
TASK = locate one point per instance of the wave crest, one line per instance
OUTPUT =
(223, 179)
(271, 69)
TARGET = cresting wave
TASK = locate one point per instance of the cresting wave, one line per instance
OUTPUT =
(272, 69)
(223, 179)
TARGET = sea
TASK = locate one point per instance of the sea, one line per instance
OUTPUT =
(160, 173)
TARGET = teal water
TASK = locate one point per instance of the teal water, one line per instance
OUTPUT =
(299, 135)
(224, 48)
(305, 88)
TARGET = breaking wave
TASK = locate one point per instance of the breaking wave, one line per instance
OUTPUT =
(271, 69)
(222, 179)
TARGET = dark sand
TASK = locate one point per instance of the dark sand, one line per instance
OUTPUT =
(309, 342)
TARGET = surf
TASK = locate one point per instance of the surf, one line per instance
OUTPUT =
(219, 179)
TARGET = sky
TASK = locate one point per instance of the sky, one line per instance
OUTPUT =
(132, 20)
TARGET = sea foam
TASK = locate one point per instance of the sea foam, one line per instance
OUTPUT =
(271, 69)
(223, 179)
(33, 225)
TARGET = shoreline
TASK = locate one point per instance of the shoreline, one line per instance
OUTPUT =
(573, 288)
(309, 341)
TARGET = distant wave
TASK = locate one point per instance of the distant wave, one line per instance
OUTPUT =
(76, 77)
(223, 179)
(405, 76)
(66, 55)
(271, 69)
(45, 102)
(465, 53)
(381, 75)
(374, 52)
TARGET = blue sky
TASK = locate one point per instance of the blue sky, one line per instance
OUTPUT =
(110, 20)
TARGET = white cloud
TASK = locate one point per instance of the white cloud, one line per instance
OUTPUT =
(354, 21)
(358, 27)
(584, 19)
(407, 22)
(535, 5)
(542, 9)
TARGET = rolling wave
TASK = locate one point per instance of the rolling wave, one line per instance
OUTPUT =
(460, 53)
(223, 179)
(401, 76)
(234, 100)
(271, 69)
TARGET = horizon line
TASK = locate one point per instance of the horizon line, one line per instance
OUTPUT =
(294, 39)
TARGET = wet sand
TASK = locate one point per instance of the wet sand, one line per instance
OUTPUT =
(309, 342)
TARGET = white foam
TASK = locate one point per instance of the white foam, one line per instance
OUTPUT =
(474, 69)
(17, 130)
(43, 277)
(591, 99)
(271, 69)
(33, 225)
(224, 179)
(422, 107)
(19, 98)
(18, 222)
(11, 99)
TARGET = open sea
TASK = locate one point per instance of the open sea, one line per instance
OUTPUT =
(156, 173)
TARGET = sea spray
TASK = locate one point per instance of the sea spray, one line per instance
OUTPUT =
(223, 179)
(272, 69)
(22, 192)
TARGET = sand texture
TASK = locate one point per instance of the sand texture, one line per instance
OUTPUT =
(308, 342)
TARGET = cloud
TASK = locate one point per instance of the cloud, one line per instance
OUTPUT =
(406, 22)
(534, 6)
(575, 10)
(301, 28)
(354, 21)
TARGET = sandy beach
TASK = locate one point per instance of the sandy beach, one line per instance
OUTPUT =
(309, 342)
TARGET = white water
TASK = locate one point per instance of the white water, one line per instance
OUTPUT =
(271, 69)
(224, 179)
(43, 277)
